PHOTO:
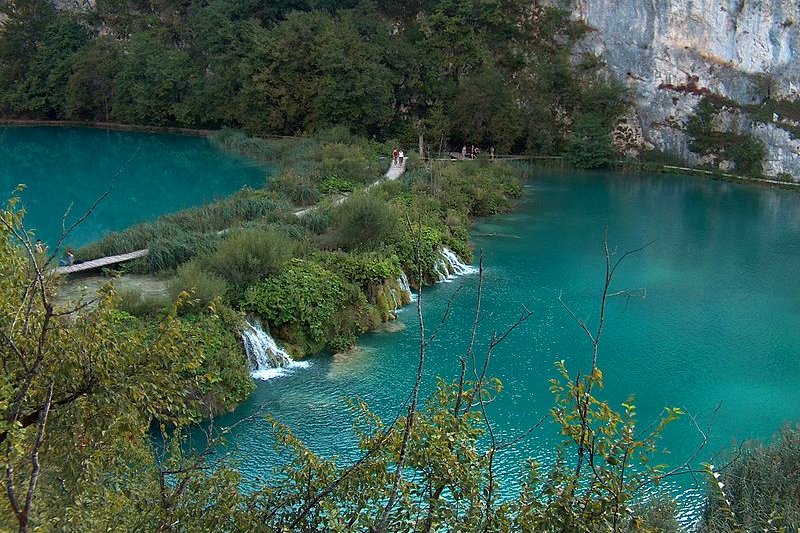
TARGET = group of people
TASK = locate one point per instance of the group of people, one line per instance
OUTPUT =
(474, 151)
(397, 157)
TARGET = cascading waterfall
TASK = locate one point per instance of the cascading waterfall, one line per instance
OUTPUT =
(449, 266)
(440, 267)
(405, 286)
(266, 359)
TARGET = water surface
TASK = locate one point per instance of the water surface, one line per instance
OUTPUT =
(151, 174)
(718, 327)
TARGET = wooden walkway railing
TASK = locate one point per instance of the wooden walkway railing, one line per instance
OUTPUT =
(101, 262)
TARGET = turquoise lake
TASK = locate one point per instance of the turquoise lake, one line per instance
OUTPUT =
(719, 325)
(152, 174)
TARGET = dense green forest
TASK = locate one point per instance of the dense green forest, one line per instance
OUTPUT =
(489, 73)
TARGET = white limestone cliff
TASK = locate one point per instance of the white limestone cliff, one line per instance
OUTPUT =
(671, 51)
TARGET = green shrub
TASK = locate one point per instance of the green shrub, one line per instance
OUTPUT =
(136, 303)
(337, 135)
(308, 304)
(350, 163)
(335, 184)
(428, 240)
(317, 221)
(248, 256)
(362, 269)
(175, 228)
(222, 381)
(475, 189)
(656, 515)
(745, 150)
(167, 254)
(241, 143)
(293, 228)
(242, 207)
(365, 221)
(203, 286)
(134, 238)
(299, 188)
(787, 111)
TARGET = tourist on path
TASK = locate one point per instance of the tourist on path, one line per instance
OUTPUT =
(400, 158)
(69, 259)
(464, 152)
(394, 157)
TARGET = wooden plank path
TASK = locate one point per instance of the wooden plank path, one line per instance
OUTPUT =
(101, 262)
(394, 172)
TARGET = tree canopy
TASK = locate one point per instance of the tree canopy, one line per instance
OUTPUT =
(502, 70)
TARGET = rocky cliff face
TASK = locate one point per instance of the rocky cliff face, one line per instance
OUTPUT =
(671, 52)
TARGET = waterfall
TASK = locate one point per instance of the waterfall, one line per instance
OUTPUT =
(449, 266)
(266, 359)
(440, 267)
(405, 286)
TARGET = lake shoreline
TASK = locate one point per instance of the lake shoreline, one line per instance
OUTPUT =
(119, 126)
(116, 126)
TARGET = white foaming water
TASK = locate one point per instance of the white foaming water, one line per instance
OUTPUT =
(453, 266)
(266, 359)
(405, 286)
(440, 267)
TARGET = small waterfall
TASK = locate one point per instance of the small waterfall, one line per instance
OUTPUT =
(440, 267)
(451, 265)
(405, 286)
(266, 359)
(394, 299)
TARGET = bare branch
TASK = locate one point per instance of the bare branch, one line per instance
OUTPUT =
(381, 525)
(580, 322)
(524, 434)
(35, 455)
(66, 232)
(445, 315)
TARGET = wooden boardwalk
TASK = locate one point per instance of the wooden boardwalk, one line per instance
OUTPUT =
(394, 172)
(101, 262)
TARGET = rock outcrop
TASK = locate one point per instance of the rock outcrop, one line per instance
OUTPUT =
(671, 52)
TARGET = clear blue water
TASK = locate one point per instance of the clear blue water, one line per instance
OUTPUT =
(152, 174)
(720, 323)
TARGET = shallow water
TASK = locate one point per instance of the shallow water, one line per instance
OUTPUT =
(151, 174)
(719, 324)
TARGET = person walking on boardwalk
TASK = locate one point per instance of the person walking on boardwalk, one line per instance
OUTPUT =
(400, 158)
(464, 152)
(394, 157)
